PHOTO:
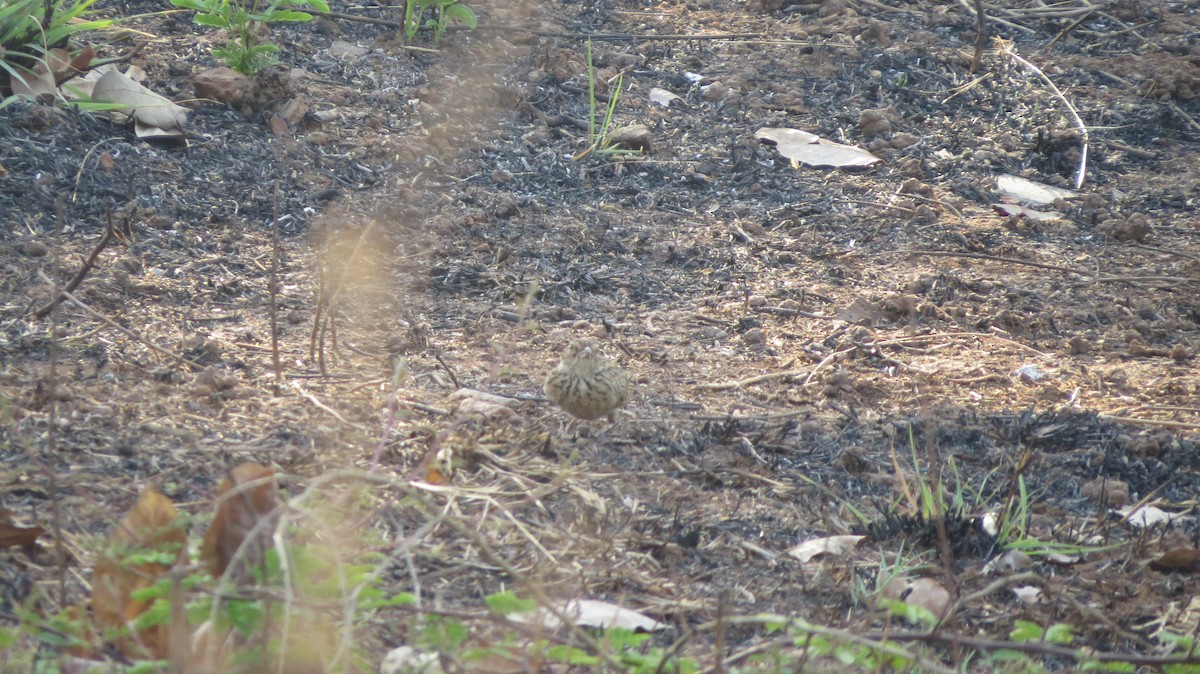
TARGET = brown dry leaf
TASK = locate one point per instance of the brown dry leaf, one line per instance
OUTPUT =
(37, 84)
(151, 526)
(81, 61)
(1180, 559)
(239, 512)
(12, 536)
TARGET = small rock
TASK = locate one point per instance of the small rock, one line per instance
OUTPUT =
(632, 137)
(340, 49)
(715, 92)
(876, 122)
(1133, 228)
(1107, 492)
(221, 84)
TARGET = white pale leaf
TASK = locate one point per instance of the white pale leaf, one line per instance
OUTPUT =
(812, 150)
(1028, 213)
(829, 545)
(591, 613)
(662, 97)
(1028, 594)
(1146, 516)
(406, 660)
(1030, 192)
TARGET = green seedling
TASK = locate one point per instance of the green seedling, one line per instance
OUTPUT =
(245, 52)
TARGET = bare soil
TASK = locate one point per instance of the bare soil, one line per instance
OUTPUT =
(798, 336)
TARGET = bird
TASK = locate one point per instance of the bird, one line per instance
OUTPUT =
(586, 384)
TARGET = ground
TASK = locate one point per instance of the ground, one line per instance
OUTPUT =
(808, 345)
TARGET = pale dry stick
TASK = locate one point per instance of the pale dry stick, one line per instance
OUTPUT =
(318, 327)
(1164, 251)
(888, 8)
(1161, 408)
(825, 361)
(1081, 172)
(1135, 151)
(966, 86)
(980, 35)
(938, 202)
(758, 379)
(1034, 648)
(1094, 276)
(52, 451)
(1032, 578)
(970, 8)
(878, 642)
(1186, 117)
(123, 330)
(273, 299)
(83, 162)
(1163, 423)
(1066, 31)
(332, 412)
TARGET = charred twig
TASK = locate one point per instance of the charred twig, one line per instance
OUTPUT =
(980, 35)
(273, 286)
(82, 273)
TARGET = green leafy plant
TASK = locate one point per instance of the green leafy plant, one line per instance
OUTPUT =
(245, 52)
(600, 135)
(441, 12)
(29, 29)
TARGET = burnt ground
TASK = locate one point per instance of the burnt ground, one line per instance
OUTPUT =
(808, 344)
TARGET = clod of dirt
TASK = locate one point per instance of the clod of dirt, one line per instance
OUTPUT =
(832, 8)
(632, 137)
(1080, 345)
(269, 86)
(1106, 492)
(837, 383)
(221, 84)
(715, 92)
(877, 122)
(211, 380)
(1133, 228)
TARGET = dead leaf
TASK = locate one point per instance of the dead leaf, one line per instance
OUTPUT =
(152, 526)
(472, 401)
(1179, 559)
(241, 505)
(1029, 213)
(590, 613)
(1029, 192)
(152, 112)
(1146, 516)
(812, 150)
(37, 84)
(829, 545)
(18, 537)
(662, 97)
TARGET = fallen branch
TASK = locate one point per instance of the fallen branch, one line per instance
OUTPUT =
(82, 273)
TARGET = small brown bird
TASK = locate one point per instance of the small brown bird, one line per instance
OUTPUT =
(586, 384)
